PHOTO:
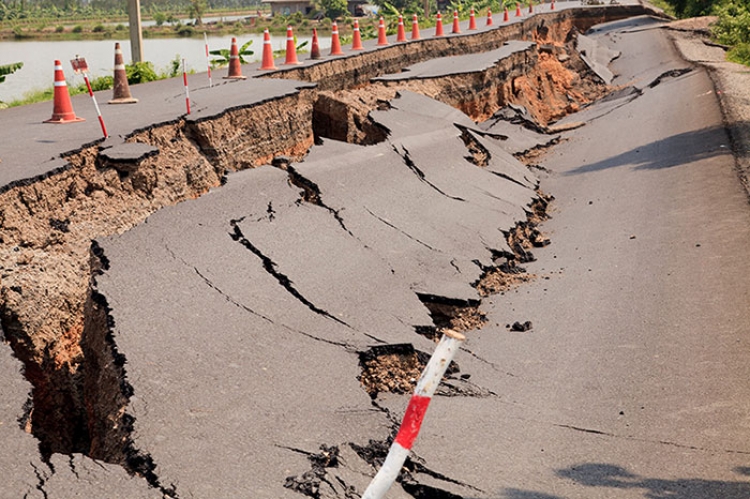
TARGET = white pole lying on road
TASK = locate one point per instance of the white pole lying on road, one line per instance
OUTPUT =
(412, 422)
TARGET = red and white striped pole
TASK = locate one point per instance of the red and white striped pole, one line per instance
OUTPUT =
(208, 61)
(81, 66)
(184, 81)
(96, 105)
(412, 422)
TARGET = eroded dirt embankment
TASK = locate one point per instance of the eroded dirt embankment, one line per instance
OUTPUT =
(47, 227)
(48, 314)
(356, 70)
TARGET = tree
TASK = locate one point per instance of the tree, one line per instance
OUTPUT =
(333, 8)
(196, 10)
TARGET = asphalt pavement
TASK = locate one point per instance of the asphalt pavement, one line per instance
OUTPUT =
(242, 314)
(629, 384)
(633, 381)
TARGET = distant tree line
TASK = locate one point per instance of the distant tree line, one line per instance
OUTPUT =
(22, 9)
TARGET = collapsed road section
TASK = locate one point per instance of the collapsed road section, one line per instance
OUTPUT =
(273, 296)
(425, 213)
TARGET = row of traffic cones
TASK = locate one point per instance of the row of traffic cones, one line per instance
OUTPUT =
(267, 61)
(63, 109)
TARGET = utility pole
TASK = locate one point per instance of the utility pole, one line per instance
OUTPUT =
(136, 38)
(427, 10)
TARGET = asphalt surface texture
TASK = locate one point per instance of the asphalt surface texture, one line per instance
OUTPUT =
(279, 294)
(242, 314)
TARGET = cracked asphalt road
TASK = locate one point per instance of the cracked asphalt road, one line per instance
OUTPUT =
(633, 381)
(630, 384)
(241, 313)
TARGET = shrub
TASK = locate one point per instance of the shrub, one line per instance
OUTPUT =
(175, 67)
(733, 26)
(740, 53)
(77, 28)
(59, 29)
(186, 30)
(160, 18)
(99, 28)
(120, 27)
(140, 72)
(102, 83)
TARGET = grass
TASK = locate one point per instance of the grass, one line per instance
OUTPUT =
(97, 84)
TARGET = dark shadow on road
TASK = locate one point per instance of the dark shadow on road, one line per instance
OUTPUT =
(603, 476)
(526, 494)
(671, 151)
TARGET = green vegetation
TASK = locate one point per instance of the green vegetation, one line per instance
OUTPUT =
(139, 72)
(197, 9)
(732, 27)
(333, 8)
(8, 69)
(222, 58)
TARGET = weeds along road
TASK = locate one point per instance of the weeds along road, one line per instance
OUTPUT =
(258, 341)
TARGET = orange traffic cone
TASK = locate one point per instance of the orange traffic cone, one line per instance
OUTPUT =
(489, 17)
(235, 69)
(531, 7)
(439, 25)
(552, 5)
(506, 16)
(456, 27)
(315, 48)
(356, 37)
(472, 20)
(518, 9)
(335, 42)
(62, 110)
(401, 32)
(291, 48)
(382, 40)
(121, 89)
(414, 27)
(267, 62)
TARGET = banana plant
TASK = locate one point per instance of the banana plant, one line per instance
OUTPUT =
(8, 69)
(223, 55)
(297, 47)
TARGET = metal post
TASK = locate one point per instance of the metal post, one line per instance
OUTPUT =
(136, 38)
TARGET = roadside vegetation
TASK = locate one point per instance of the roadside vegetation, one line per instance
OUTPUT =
(732, 28)
(138, 72)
